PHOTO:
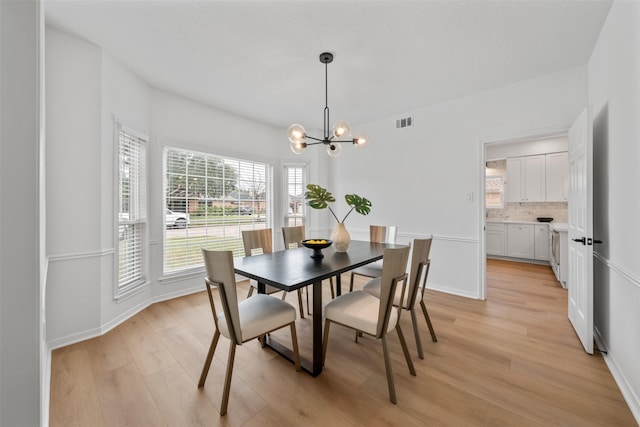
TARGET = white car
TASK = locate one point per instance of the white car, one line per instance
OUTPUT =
(176, 219)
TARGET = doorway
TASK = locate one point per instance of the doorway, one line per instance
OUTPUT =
(506, 205)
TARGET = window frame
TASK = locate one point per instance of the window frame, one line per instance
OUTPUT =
(501, 192)
(141, 281)
(286, 217)
(166, 271)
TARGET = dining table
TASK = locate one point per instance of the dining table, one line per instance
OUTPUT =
(293, 269)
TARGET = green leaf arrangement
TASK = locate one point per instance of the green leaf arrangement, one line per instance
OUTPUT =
(319, 198)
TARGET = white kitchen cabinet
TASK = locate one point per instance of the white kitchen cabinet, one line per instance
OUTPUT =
(557, 176)
(496, 239)
(541, 243)
(526, 179)
(520, 241)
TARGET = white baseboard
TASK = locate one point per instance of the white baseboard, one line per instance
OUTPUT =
(453, 291)
(625, 388)
(103, 329)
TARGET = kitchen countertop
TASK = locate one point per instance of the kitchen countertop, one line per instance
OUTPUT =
(508, 221)
(560, 226)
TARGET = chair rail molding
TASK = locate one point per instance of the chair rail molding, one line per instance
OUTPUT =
(81, 255)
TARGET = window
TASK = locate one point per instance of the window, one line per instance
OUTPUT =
(209, 200)
(295, 186)
(494, 191)
(132, 211)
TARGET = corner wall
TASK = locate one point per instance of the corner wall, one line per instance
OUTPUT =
(23, 365)
(614, 93)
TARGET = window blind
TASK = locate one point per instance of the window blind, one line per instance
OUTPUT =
(221, 196)
(132, 197)
(295, 187)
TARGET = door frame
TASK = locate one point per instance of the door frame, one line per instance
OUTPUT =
(530, 135)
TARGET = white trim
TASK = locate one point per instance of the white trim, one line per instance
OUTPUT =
(96, 332)
(132, 290)
(81, 255)
(624, 273)
(452, 291)
(632, 399)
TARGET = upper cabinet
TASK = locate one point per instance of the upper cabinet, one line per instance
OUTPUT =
(526, 179)
(557, 165)
(540, 178)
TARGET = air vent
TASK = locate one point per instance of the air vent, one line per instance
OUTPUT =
(404, 122)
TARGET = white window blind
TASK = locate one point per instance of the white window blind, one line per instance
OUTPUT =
(132, 215)
(220, 196)
(295, 186)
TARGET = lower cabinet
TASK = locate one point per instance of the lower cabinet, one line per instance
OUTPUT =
(541, 242)
(520, 241)
(496, 239)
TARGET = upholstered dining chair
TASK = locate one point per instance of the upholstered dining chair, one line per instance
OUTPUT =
(240, 322)
(379, 234)
(420, 264)
(373, 316)
(260, 242)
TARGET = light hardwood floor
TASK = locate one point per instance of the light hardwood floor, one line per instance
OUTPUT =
(512, 360)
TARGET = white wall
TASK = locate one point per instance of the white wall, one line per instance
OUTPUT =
(417, 178)
(614, 93)
(23, 373)
(87, 88)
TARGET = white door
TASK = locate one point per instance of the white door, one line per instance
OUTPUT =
(580, 279)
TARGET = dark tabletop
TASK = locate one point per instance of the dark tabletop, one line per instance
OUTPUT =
(294, 268)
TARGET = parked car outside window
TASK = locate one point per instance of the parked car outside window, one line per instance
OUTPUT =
(176, 219)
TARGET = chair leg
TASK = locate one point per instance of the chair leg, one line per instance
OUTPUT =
(300, 303)
(284, 295)
(333, 293)
(250, 291)
(294, 343)
(387, 366)
(426, 316)
(325, 339)
(227, 379)
(307, 293)
(414, 322)
(207, 362)
(405, 350)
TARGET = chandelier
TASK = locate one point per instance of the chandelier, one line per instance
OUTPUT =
(341, 129)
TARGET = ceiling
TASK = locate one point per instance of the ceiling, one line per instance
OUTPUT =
(259, 59)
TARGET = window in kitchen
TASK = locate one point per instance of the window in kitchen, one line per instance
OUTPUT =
(208, 201)
(494, 191)
(132, 212)
(295, 185)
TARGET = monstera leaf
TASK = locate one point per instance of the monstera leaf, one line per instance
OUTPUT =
(360, 204)
(319, 198)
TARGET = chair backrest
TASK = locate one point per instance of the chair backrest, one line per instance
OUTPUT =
(393, 271)
(219, 268)
(382, 233)
(293, 236)
(420, 263)
(257, 241)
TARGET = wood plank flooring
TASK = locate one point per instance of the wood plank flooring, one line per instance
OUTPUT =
(512, 360)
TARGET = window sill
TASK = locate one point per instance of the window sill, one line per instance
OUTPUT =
(177, 276)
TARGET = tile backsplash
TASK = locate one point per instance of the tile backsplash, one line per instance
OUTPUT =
(530, 211)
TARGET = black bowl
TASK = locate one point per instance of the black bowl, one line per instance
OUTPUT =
(544, 219)
(317, 247)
